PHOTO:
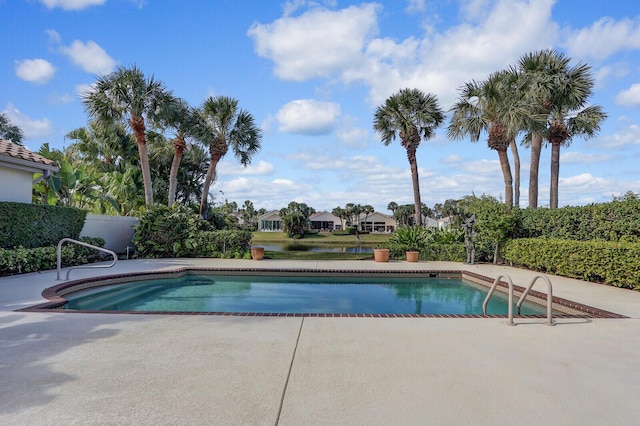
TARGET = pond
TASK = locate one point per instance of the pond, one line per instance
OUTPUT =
(330, 248)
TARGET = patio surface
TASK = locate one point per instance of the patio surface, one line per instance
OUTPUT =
(86, 369)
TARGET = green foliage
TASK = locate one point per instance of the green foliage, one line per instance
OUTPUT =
(618, 220)
(295, 219)
(614, 263)
(22, 260)
(179, 232)
(449, 252)
(409, 238)
(447, 235)
(35, 225)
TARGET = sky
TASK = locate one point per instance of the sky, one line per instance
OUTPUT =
(312, 74)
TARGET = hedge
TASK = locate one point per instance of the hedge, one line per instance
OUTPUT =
(37, 225)
(613, 263)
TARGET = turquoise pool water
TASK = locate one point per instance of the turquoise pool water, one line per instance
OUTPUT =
(267, 294)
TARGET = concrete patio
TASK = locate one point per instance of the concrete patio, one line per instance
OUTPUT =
(69, 368)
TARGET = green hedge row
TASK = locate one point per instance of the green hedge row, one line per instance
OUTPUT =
(37, 225)
(614, 221)
(22, 260)
(613, 263)
(451, 252)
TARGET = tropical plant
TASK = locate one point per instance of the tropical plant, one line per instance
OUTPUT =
(127, 96)
(295, 219)
(222, 124)
(409, 238)
(410, 115)
(9, 131)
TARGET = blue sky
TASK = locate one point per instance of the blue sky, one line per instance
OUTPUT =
(312, 74)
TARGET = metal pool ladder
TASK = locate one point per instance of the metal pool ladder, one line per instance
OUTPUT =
(59, 257)
(522, 297)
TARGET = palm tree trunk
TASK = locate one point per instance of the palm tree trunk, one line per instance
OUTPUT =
(516, 179)
(508, 178)
(211, 172)
(555, 174)
(137, 124)
(411, 155)
(536, 149)
(179, 146)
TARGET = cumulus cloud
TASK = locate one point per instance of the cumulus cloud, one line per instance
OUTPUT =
(573, 157)
(90, 57)
(234, 168)
(629, 97)
(604, 38)
(30, 127)
(71, 4)
(36, 71)
(308, 117)
(318, 43)
(626, 136)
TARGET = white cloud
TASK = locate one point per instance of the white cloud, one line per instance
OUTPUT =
(30, 127)
(604, 38)
(318, 43)
(629, 97)
(573, 157)
(308, 117)
(351, 135)
(234, 168)
(626, 136)
(36, 71)
(90, 57)
(416, 6)
(71, 4)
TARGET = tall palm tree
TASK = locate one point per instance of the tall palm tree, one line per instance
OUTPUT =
(127, 96)
(561, 92)
(491, 106)
(222, 125)
(9, 131)
(539, 72)
(410, 115)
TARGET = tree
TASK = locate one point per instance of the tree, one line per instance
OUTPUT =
(9, 131)
(248, 214)
(410, 115)
(295, 219)
(127, 96)
(367, 209)
(222, 125)
(493, 106)
(340, 213)
(392, 206)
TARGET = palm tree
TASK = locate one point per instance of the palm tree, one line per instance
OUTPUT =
(491, 106)
(561, 94)
(410, 115)
(9, 131)
(127, 96)
(224, 125)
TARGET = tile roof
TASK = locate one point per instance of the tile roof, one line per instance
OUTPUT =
(18, 151)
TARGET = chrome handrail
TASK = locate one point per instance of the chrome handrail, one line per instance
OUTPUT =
(493, 287)
(549, 297)
(71, 240)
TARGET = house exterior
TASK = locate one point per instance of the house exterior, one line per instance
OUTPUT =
(377, 222)
(325, 221)
(17, 167)
(270, 222)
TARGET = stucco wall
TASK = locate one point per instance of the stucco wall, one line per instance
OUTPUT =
(15, 185)
(117, 231)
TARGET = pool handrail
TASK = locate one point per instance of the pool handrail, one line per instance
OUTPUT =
(549, 297)
(71, 240)
(493, 287)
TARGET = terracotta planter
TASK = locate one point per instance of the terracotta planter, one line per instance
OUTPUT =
(381, 255)
(412, 256)
(257, 253)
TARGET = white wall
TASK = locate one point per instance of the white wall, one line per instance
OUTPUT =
(117, 231)
(15, 185)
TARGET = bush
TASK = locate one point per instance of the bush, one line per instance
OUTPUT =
(608, 262)
(178, 232)
(408, 238)
(36, 225)
(22, 260)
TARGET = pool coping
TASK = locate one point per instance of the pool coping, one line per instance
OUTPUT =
(54, 294)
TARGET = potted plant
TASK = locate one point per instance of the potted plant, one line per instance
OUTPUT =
(257, 253)
(381, 254)
(410, 239)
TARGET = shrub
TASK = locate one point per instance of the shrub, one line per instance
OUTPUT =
(408, 238)
(613, 263)
(36, 225)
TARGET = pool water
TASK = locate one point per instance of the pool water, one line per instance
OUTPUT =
(267, 294)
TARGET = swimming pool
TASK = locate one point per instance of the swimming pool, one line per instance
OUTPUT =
(286, 294)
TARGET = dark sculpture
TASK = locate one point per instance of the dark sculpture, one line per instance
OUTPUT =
(469, 235)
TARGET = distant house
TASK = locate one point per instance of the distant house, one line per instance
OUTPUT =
(377, 222)
(325, 221)
(270, 222)
(17, 167)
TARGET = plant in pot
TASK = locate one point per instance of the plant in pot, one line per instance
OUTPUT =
(381, 254)
(410, 240)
